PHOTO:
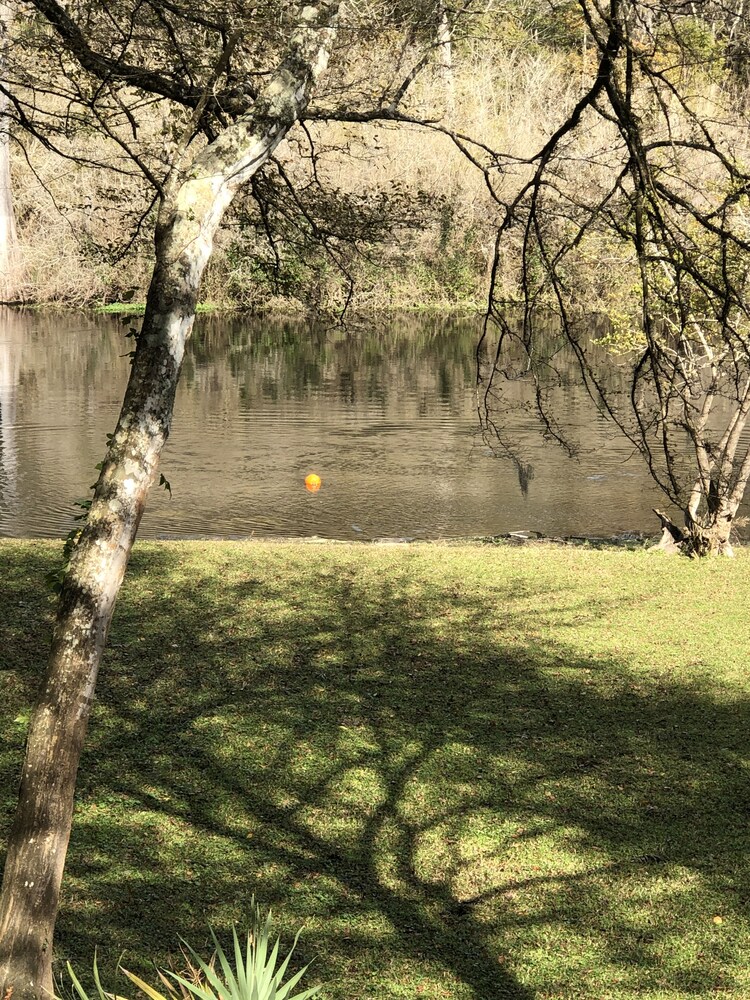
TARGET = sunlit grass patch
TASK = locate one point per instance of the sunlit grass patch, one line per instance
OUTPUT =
(471, 772)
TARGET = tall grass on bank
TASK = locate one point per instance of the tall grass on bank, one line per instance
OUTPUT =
(473, 773)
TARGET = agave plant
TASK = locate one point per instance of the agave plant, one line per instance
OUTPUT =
(252, 976)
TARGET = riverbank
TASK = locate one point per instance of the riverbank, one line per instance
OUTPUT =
(293, 308)
(470, 771)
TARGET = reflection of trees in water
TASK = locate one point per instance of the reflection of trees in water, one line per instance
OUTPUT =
(667, 424)
(56, 372)
(10, 373)
(525, 475)
(432, 361)
(390, 403)
(520, 384)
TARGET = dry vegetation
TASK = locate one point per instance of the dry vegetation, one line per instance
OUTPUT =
(426, 219)
(396, 211)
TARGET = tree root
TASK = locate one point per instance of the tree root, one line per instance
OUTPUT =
(672, 539)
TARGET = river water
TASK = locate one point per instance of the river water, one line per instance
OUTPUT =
(385, 414)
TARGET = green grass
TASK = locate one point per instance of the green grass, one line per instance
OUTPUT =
(139, 308)
(466, 307)
(471, 772)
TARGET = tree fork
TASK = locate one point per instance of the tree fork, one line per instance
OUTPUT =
(188, 219)
(698, 538)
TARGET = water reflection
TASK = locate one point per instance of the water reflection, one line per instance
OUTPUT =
(9, 380)
(385, 414)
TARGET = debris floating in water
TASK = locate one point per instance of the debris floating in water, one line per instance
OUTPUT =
(313, 482)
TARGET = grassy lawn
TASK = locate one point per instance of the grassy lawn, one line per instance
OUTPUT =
(470, 772)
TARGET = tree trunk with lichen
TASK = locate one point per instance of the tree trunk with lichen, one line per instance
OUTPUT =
(188, 220)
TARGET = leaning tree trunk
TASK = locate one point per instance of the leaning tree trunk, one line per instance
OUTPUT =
(188, 220)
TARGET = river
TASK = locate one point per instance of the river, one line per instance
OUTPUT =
(384, 412)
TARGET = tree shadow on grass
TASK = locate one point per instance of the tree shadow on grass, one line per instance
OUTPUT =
(447, 797)
(25, 618)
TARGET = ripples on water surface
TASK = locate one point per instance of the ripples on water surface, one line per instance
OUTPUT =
(385, 415)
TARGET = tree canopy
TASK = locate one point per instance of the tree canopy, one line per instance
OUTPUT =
(646, 181)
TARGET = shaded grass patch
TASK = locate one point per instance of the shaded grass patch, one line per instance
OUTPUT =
(471, 772)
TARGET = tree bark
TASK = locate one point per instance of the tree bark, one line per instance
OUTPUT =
(188, 219)
(444, 39)
(709, 535)
(9, 254)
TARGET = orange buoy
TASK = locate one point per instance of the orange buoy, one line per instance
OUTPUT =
(313, 483)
